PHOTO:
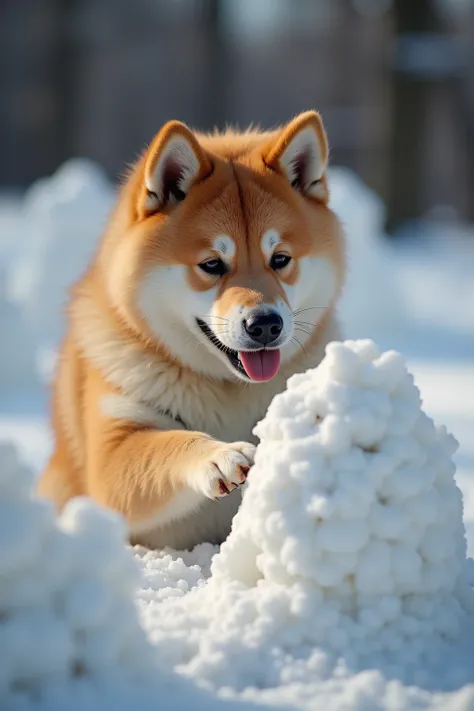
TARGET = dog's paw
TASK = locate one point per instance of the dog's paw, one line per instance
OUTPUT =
(225, 469)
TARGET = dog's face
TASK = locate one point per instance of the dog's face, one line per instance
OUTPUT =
(232, 256)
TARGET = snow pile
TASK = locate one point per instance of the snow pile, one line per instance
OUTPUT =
(66, 585)
(433, 255)
(374, 302)
(17, 353)
(10, 224)
(62, 218)
(343, 580)
(392, 292)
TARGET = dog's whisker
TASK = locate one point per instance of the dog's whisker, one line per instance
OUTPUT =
(309, 308)
(300, 324)
(198, 341)
(305, 323)
(303, 330)
(222, 318)
(300, 345)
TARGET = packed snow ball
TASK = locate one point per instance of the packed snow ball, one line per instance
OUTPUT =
(66, 596)
(346, 560)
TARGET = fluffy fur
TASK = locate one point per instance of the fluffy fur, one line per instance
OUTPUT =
(215, 280)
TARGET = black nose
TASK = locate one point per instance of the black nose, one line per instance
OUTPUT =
(264, 328)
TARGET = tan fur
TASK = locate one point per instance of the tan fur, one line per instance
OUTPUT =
(137, 425)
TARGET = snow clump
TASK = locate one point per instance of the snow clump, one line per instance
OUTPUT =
(344, 577)
(62, 217)
(374, 301)
(67, 615)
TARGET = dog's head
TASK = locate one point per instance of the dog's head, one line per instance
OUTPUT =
(230, 256)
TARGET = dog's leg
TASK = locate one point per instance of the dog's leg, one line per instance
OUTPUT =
(138, 468)
(138, 471)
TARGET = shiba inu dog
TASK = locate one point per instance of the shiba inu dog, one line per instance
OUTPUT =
(216, 280)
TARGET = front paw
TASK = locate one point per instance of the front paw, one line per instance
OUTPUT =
(225, 468)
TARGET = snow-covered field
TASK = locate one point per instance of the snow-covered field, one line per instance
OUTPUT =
(379, 631)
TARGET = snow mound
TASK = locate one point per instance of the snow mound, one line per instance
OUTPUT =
(343, 580)
(17, 354)
(373, 302)
(66, 586)
(62, 218)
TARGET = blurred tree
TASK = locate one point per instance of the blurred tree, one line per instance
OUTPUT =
(38, 83)
(431, 82)
(413, 19)
(64, 77)
(217, 77)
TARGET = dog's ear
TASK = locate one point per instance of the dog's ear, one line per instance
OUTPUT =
(174, 161)
(300, 153)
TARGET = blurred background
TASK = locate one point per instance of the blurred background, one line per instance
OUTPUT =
(85, 84)
(394, 80)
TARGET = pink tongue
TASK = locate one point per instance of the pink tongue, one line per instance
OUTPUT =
(260, 365)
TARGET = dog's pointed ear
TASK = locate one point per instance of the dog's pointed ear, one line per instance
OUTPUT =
(300, 153)
(174, 162)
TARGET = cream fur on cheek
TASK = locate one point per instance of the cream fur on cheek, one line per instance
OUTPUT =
(170, 308)
(165, 299)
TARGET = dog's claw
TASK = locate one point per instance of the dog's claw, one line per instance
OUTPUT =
(227, 469)
(223, 488)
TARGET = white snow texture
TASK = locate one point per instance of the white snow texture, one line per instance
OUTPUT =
(66, 610)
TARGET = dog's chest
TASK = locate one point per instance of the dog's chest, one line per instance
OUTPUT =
(228, 414)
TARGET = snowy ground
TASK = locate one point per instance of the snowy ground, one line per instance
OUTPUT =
(415, 297)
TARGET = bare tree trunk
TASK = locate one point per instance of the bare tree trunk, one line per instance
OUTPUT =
(65, 78)
(38, 86)
(409, 104)
(217, 78)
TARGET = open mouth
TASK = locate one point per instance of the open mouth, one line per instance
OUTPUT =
(257, 365)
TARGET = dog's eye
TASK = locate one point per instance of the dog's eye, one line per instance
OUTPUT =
(279, 260)
(175, 195)
(216, 267)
